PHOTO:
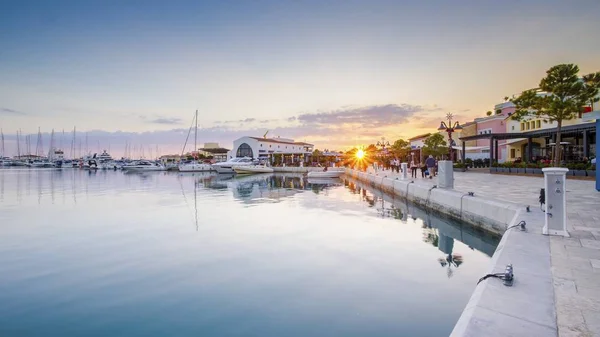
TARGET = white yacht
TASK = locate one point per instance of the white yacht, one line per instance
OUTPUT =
(325, 174)
(6, 161)
(195, 166)
(227, 166)
(104, 157)
(144, 165)
(252, 169)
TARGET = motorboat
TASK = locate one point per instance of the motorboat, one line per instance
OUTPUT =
(144, 165)
(252, 169)
(325, 174)
(6, 162)
(227, 166)
(104, 157)
(41, 164)
(195, 166)
(109, 165)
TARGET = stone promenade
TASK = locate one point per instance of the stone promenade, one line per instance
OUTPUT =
(575, 260)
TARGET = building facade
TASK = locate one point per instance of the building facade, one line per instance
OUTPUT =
(416, 145)
(267, 148)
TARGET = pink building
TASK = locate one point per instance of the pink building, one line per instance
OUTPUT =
(495, 124)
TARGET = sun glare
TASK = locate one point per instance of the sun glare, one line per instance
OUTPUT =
(360, 154)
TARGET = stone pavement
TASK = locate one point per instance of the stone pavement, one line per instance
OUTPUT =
(575, 260)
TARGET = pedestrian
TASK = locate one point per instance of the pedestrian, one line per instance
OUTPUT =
(413, 168)
(430, 163)
(397, 165)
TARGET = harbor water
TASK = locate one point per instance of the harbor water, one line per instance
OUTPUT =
(107, 253)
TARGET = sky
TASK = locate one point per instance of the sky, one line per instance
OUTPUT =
(333, 73)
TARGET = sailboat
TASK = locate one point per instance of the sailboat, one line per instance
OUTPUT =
(56, 156)
(194, 165)
(4, 161)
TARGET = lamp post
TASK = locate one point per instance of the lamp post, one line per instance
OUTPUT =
(382, 144)
(450, 128)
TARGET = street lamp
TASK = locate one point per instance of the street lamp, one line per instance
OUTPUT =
(383, 143)
(450, 128)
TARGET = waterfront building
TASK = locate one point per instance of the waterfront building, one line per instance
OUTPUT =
(577, 138)
(285, 150)
(218, 153)
(503, 139)
(416, 145)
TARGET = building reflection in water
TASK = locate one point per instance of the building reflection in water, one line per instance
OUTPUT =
(262, 188)
(438, 232)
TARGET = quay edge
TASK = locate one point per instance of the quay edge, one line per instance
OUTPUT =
(525, 309)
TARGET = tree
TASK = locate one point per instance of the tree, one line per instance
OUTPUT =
(435, 145)
(561, 96)
(489, 113)
(400, 148)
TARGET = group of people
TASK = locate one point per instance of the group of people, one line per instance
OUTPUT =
(428, 169)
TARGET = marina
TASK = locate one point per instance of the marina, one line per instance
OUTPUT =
(363, 262)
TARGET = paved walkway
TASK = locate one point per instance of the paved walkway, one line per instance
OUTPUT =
(575, 260)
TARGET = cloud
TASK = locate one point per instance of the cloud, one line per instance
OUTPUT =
(8, 111)
(167, 121)
(369, 116)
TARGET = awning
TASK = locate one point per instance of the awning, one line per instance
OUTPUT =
(471, 148)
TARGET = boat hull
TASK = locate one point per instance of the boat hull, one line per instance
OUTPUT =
(195, 168)
(325, 174)
(223, 169)
(252, 169)
(144, 169)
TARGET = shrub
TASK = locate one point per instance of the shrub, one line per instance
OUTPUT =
(459, 165)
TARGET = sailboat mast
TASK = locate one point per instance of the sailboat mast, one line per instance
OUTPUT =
(18, 146)
(196, 133)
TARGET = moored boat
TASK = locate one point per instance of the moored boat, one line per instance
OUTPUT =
(144, 165)
(227, 166)
(195, 166)
(325, 174)
(252, 169)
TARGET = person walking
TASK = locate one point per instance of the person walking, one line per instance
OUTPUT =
(413, 168)
(430, 163)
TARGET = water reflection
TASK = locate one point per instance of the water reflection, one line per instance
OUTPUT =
(437, 231)
(278, 255)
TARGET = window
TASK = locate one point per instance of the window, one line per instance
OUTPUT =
(513, 153)
(527, 125)
(513, 128)
(260, 145)
(244, 150)
(538, 124)
(522, 126)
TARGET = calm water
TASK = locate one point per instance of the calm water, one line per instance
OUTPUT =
(166, 254)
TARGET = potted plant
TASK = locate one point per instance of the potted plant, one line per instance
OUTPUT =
(536, 169)
(478, 163)
(494, 167)
(579, 170)
(486, 162)
(469, 162)
(520, 167)
(509, 167)
(459, 167)
(590, 170)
